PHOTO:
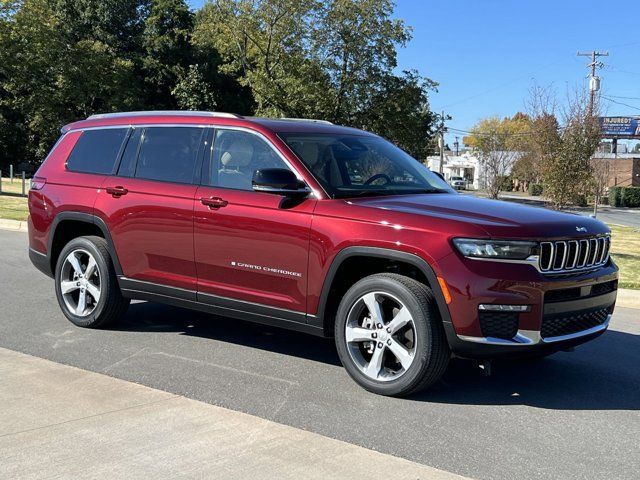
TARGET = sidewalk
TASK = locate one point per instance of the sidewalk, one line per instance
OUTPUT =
(62, 422)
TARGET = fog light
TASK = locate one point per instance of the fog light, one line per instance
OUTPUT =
(504, 308)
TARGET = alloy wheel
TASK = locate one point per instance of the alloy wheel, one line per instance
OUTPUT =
(381, 336)
(80, 283)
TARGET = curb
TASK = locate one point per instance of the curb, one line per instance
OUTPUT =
(14, 225)
(628, 298)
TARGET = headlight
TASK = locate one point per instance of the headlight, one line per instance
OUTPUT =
(498, 249)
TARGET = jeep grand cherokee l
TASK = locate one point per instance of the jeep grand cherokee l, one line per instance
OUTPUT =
(315, 227)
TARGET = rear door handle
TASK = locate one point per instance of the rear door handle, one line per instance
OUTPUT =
(117, 191)
(213, 202)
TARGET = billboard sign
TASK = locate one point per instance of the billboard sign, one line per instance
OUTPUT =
(620, 126)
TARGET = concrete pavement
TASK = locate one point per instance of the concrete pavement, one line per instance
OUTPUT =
(60, 422)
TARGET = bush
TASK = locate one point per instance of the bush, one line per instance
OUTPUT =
(506, 184)
(631, 197)
(580, 200)
(624, 196)
(535, 189)
(615, 197)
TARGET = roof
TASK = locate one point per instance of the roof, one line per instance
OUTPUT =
(276, 125)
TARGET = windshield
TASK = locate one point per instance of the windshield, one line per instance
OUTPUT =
(352, 166)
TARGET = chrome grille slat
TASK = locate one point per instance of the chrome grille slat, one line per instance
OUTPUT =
(562, 256)
(571, 262)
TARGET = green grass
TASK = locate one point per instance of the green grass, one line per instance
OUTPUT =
(15, 187)
(625, 251)
(13, 208)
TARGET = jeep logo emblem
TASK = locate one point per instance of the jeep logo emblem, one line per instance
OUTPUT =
(581, 229)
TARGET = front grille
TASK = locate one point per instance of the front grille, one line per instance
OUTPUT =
(574, 255)
(576, 293)
(499, 324)
(573, 322)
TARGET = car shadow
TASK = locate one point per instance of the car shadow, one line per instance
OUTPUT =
(155, 317)
(601, 375)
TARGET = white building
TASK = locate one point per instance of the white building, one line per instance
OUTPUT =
(466, 165)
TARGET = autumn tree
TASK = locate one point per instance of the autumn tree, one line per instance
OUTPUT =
(498, 143)
(564, 152)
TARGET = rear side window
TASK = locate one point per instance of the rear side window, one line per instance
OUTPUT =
(169, 154)
(96, 151)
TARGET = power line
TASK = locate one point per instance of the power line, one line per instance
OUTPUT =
(624, 98)
(620, 103)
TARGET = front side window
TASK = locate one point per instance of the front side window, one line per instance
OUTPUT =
(169, 154)
(236, 155)
(96, 151)
(352, 165)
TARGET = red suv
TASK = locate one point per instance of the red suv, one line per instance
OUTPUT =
(315, 227)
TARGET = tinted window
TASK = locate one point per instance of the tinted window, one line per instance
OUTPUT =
(96, 151)
(169, 153)
(128, 162)
(236, 155)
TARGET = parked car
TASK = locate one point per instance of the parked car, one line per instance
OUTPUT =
(315, 227)
(458, 183)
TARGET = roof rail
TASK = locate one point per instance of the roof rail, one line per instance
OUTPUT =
(186, 113)
(315, 120)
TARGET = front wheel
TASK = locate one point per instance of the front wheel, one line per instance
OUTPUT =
(389, 335)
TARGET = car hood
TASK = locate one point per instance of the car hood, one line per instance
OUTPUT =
(496, 218)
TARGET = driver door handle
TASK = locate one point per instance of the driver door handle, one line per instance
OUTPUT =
(117, 191)
(213, 202)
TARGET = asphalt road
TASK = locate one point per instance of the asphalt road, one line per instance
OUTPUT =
(574, 415)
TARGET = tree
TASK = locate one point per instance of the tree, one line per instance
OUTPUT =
(168, 55)
(328, 60)
(266, 44)
(400, 111)
(564, 153)
(51, 80)
(498, 144)
(356, 41)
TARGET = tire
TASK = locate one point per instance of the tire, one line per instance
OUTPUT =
(426, 351)
(101, 282)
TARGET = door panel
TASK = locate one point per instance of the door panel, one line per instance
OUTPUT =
(152, 230)
(149, 205)
(249, 246)
(254, 248)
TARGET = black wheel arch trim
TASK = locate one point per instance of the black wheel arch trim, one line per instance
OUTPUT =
(85, 218)
(319, 319)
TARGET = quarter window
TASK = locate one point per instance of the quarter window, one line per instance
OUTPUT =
(169, 154)
(236, 155)
(96, 151)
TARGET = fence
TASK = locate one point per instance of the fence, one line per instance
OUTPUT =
(14, 184)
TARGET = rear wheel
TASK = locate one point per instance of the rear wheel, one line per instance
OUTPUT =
(86, 284)
(389, 335)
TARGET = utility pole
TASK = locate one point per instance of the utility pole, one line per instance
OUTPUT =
(594, 81)
(457, 145)
(442, 129)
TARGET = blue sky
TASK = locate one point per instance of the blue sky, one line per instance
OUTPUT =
(486, 54)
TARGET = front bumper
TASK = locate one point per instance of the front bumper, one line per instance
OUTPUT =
(562, 312)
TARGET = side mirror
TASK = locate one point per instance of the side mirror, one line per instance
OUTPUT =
(279, 181)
